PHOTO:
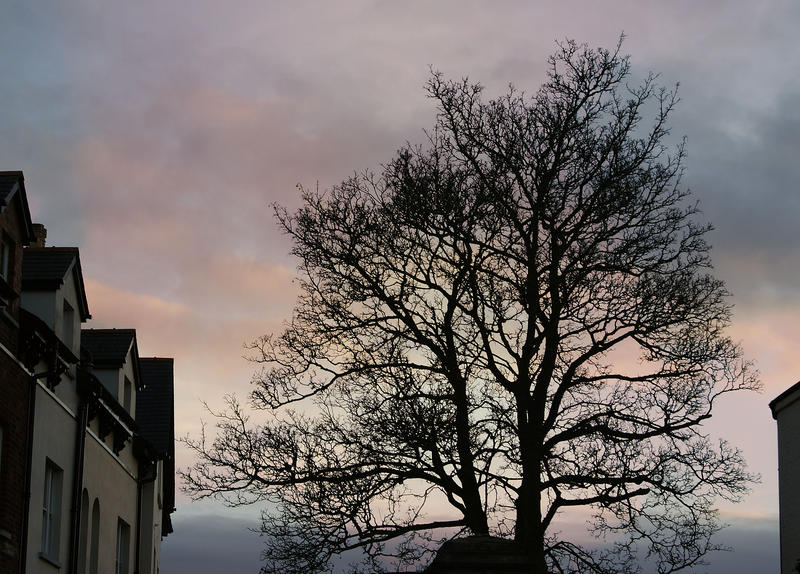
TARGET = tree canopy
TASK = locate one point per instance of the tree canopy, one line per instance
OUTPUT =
(513, 320)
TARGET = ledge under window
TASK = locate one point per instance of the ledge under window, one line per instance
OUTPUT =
(50, 560)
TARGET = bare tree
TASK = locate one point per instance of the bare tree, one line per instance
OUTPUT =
(513, 320)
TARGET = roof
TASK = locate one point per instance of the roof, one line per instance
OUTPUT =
(774, 404)
(48, 265)
(155, 415)
(10, 182)
(155, 403)
(108, 348)
(12, 186)
(47, 268)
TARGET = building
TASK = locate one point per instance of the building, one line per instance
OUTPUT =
(95, 495)
(16, 232)
(786, 410)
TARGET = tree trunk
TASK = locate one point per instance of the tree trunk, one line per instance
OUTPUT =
(529, 532)
(474, 511)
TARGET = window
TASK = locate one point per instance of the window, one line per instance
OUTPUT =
(6, 249)
(123, 546)
(68, 325)
(126, 394)
(51, 510)
(95, 542)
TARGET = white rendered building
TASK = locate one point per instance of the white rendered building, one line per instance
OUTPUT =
(102, 440)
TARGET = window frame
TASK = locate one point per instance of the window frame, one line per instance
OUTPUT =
(67, 324)
(127, 394)
(51, 511)
(6, 254)
(122, 559)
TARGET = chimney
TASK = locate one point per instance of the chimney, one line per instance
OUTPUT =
(39, 235)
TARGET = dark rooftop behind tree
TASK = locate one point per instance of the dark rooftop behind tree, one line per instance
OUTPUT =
(456, 358)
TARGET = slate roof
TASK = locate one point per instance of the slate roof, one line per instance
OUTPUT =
(108, 347)
(155, 403)
(46, 269)
(155, 408)
(8, 183)
(12, 185)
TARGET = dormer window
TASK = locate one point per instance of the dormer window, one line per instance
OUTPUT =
(68, 325)
(126, 394)
(6, 253)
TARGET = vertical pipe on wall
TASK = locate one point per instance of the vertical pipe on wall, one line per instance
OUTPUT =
(77, 485)
(28, 464)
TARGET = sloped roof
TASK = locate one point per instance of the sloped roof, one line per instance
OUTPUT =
(46, 269)
(155, 403)
(155, 415)
(9, 182)
(12, 185)
(108, 347)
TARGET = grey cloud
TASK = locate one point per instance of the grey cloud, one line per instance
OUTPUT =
(210, 544)
(155, 134)
(754, 548)
(747, 181)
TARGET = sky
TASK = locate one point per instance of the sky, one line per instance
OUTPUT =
(156, 136)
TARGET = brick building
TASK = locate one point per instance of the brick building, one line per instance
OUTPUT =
(16, 232)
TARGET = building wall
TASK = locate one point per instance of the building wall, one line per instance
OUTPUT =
(10, 225)
(15, 383)
(49, 305)
(789, 481)
(14, 398)
(53, 439)
(109, 378)
(111, 480)
(55, 433)
(42, 304)
(152, 501)
(68, 293)
(114, 381)
(108, 479)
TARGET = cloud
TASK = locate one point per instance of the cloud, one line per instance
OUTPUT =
(208, 543)
(208, 347)
(155, 135)
(211, 543)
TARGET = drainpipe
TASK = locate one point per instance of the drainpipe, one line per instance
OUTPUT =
(28, 465)
(77, 482)
(138, 525)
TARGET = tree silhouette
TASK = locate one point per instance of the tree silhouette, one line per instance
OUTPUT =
(516, 319)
